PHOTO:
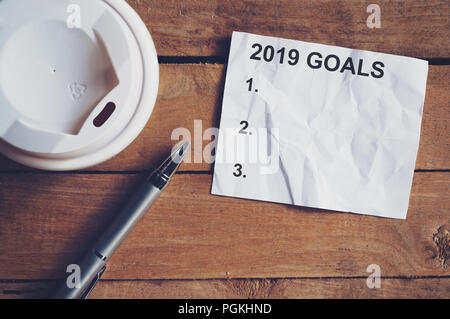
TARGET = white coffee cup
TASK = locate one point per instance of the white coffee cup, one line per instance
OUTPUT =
(78, 82)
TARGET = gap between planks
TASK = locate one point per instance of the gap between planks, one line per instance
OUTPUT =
(224, 60)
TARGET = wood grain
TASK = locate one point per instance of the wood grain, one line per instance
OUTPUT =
(194, 92)
(203, 27)
(195, 245)
(244, 289)
(48, 220)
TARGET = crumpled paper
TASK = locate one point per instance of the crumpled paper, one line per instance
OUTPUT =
(342, 138)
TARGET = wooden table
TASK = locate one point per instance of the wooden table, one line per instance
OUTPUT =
(195, 245)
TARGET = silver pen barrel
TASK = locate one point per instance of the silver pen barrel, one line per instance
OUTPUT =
(122, 224)
(139, 204)
(94, 261)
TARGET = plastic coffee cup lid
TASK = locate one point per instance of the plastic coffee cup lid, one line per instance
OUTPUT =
(78, 81)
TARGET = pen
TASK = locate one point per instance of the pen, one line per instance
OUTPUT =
(93, 264)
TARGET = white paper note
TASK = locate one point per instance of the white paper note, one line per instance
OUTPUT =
(319, 126)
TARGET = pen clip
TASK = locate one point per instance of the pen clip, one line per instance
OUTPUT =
(93, 283)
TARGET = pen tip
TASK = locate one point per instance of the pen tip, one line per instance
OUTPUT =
(180, 152)
(164, 172)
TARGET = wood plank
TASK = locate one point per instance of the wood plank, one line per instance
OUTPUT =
(203, 28)
(194, 92)
(48, 220)
(420, 288)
